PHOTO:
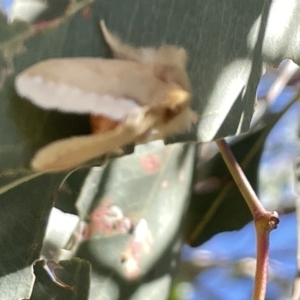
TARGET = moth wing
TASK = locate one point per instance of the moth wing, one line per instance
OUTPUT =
(71, 152)
(79, 85)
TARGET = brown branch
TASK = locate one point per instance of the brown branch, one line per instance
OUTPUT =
(265, 221)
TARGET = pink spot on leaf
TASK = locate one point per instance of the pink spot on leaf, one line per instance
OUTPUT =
(108, 219)
(151, 163)
(139, 245)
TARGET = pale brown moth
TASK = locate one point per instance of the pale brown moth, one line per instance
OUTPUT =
(142, 94)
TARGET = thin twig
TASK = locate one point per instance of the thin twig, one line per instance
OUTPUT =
(240, 178)
(264, 220)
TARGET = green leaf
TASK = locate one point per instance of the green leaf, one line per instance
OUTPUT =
(22, 234)
(26, 200)
(134, 208)
(17, 285)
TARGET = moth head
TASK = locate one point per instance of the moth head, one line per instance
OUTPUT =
(176, 100)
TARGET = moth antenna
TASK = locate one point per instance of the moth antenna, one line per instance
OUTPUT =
(120, 49)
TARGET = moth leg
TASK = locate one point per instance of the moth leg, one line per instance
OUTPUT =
(120, 49)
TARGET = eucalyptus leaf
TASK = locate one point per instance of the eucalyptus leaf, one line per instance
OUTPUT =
(150, 188)
(17, 285)
(24, 213)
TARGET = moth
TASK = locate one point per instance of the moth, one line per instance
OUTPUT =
(139, 95)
